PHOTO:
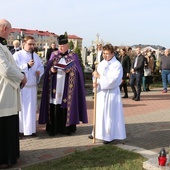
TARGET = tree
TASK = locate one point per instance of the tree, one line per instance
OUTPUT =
(78, 52)
(66, 35)
(71, 45)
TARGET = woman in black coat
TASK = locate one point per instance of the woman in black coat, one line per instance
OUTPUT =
(126, 64)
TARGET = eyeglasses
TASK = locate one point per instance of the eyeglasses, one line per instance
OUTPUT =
(30, 44)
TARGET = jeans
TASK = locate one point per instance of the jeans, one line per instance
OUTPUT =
(136, 78)
(165, 78)
(144, 83)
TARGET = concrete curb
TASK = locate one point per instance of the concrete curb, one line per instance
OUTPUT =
(151, 163)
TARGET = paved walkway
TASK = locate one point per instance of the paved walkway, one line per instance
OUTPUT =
(147, 126)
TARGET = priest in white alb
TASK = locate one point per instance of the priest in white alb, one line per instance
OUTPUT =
(109, 109)
(31, 64)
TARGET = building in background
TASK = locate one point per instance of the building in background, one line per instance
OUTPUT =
(77, 41)
(43, 38)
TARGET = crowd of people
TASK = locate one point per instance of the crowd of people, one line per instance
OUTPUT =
(140, 67)
(63, 101)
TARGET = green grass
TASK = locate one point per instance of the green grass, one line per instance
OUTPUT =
(106, 157)
(156, 84)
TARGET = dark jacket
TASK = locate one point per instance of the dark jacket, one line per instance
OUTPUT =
(140, 64)
(49, 52)
(126, 64)
(13, 50)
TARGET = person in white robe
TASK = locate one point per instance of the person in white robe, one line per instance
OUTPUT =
(31, 64)
(98, 57)
(109, 109)
(10, 80)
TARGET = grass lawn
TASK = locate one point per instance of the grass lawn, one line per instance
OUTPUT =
(106, 157)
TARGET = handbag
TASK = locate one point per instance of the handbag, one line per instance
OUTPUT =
(147, 72)
(149, 79)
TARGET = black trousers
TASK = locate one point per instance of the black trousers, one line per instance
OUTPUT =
(57, 122)
(124, 85)
(9, 139)
(136, 79)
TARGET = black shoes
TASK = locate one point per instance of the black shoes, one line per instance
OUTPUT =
(21, 135)
(134, 97)
(5, 166)
(137, 99)
(125, 96)
(106, 142)
(90, 137)
(147, 89)
(34, 135)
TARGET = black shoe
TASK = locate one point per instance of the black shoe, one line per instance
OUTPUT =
(137, 99)
(106, 142)
(125, 96)
(69, 133)
(50, 134)
(21, 135)
(134, 97)
(5, 166)
(34, 135)
(90, 137)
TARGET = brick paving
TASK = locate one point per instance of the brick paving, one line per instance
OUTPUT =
(147, 127)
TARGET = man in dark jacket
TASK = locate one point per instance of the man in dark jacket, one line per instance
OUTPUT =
(137, 73)
(50, 50)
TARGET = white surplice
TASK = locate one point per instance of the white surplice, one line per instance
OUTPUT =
(27, 115)
(60, 76)
(109, 110)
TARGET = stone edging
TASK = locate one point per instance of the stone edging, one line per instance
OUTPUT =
(151, 163)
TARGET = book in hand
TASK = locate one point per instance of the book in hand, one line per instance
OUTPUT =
(21, 85)
(64, 66)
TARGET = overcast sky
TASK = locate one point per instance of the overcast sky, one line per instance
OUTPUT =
(120, 22)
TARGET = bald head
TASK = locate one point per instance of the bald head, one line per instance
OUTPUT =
(167, 52)
(5, 28)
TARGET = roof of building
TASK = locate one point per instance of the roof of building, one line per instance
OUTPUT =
(43, 33)
(74, 37)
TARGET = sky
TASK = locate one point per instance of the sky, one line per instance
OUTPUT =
(119, 22)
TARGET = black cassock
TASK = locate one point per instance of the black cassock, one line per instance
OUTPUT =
(9, 146)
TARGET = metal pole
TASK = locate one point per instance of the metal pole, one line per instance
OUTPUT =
(94, 111)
